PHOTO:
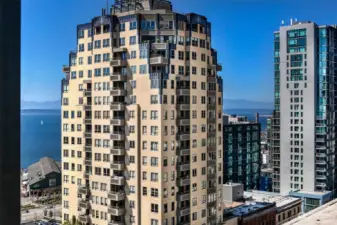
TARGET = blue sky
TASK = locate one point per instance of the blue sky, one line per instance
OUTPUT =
(242, 33)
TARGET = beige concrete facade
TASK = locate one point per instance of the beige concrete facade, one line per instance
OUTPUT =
(142, 138)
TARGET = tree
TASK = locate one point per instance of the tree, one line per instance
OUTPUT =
(73, 220)
(51, 213)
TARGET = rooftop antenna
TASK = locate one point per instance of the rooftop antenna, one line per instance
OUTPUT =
(107, 6)
(282, 22)
(291, 21)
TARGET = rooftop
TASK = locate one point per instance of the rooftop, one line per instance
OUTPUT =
(323, 215)
(247, 208)
(317, 193)
(263, 196)
(42, 168)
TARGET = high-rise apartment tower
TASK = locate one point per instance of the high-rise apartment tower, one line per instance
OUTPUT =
(142, 119)
(304, 121)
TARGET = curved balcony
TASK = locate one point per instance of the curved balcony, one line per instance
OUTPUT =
(114, 222)
(84, 190)
(119, 121)
(117, 150)
(116, 196)
(182, 152)
(184, 121)
(183, 166)
(159, 46)
(117, 106)
(117, 180)
(84, 204)
(119, 49)
(184, 211)
(184, 197)
(118, 165)
(84, 219)
(158, 60)
(183, 92)
(184, 107)
(118, 92)
(118, 77)
(118, 62)
(118, 135)
(183, 136)
(184, 181)
(116, 211)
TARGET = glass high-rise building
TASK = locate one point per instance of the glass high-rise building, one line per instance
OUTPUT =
(142, 119)
(304, 120)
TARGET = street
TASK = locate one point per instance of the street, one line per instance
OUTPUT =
(37, 214)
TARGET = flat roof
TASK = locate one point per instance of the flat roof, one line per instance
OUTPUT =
(321, 193)
(246, 208)
(323, 215)
(264, 196)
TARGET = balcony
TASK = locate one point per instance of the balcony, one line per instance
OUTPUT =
(117, 106)
(184, 107)
(119, 121)
(84, 204)
(118, 62)
(118, 135)
(184, 166)
(87, 107)
(116, 196)
(66, 69)
(118, 180)
(118, 92)
(211, 92)
(184, 181)
(183, 136)
(320, 184)
(117, 150)
(184, 152)
(116, 211)
(323, 170)
(321, 177)
(211, 79)
(87, 148)
(184, 211)
(114, 222)
(320, 162)
(184, 197)
(211, 106)
(83, 190)
(211, 120)
(118, 77)
(211, 162)
(117, 165)
(119, 49)
(84, 219)
(87, 134)
(87, 121)
(87, 93)
(320, 140)
(211, 148)
(184, 121)
(183, 92)
(87, 161)
(211, 134)
(159, 46)
(158, 60)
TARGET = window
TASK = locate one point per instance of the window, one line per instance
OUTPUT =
(154, 115)
(144, 115)
(133, 55)
(194, 70)
(154, 176)
(132, 189)
(121, 41)
(143, 69)
(122, 27)
(154, 161)
(132, 40)
(154, 208)
(154, 222)
(133, 25)
(106, 57)
(154, 99)
(97, 44)
(89, 46)
(144, 190)
(106, 43)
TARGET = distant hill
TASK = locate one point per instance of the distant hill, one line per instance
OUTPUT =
(246, 104)
(40, 105)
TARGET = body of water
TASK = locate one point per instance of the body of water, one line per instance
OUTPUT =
(39, 140)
